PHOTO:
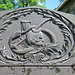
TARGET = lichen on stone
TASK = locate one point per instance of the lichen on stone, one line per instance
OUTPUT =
(28, 71)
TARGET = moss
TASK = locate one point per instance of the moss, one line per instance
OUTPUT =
(24, 70)
(47, 67)
(56, 69)
(21, 57)
(73, 67)
(73, 55)
(28, 71)
(12, 69)
(51, 68)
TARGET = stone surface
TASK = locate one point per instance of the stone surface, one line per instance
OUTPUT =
(38, 39)
(68, 7)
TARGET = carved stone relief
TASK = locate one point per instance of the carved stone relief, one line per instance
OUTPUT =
(35, 35)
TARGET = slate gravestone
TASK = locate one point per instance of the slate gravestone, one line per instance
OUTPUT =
(36, 37)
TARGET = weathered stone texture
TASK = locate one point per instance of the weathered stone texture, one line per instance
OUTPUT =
(37, 41)
(69, 7)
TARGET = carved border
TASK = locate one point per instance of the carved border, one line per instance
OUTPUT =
(14, 15)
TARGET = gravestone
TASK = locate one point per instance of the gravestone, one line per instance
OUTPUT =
(36, 41)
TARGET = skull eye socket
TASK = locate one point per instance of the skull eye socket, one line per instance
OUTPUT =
(40, 37)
